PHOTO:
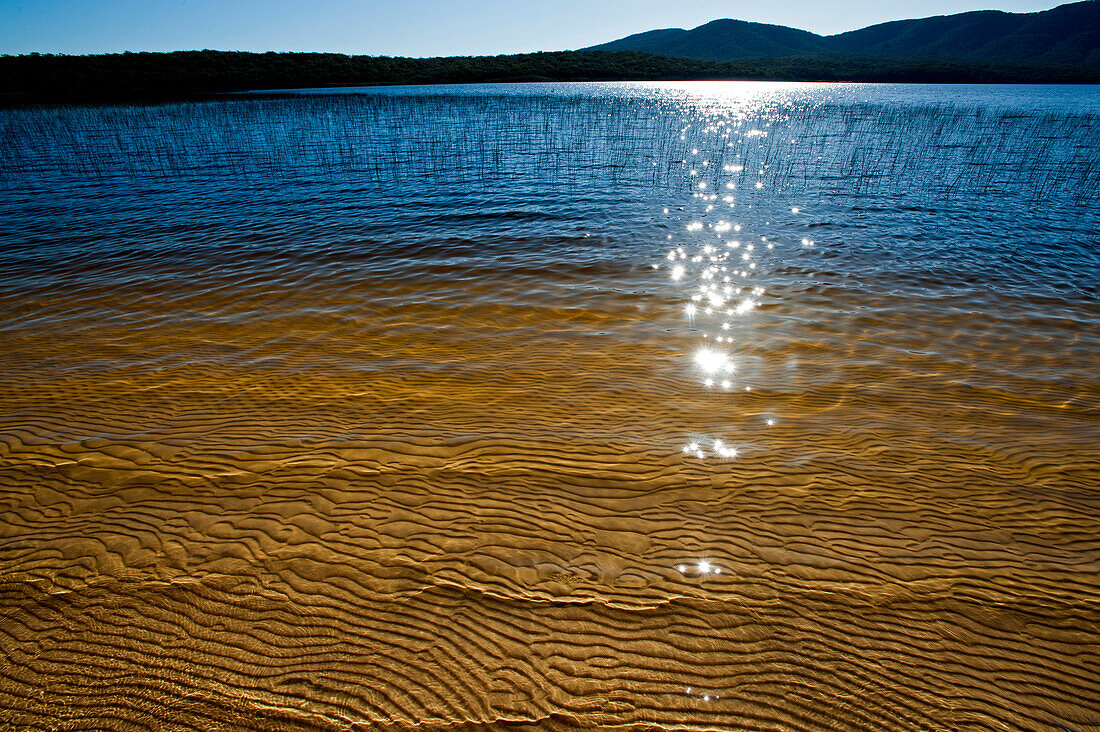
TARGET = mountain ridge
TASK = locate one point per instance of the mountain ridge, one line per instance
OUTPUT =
(1065, 35)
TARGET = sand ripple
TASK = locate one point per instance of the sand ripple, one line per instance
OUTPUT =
(381, 459)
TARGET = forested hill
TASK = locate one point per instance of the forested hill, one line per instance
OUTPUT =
(52, 78)
(1065, 35)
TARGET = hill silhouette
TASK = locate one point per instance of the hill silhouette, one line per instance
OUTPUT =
(724, 40)
(1065, 35)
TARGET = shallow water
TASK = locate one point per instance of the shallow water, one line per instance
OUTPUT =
(704, 406)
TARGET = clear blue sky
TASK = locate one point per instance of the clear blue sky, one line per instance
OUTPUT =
(418, 27)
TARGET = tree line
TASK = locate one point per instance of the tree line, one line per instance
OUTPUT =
(60, 78)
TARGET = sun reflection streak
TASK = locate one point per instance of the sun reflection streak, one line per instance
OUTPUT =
(715, 269)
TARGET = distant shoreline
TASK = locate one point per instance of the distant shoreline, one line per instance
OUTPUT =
(48, 78)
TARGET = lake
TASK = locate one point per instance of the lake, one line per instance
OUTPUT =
(707, 405)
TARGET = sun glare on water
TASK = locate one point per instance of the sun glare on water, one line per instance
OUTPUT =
(716, 270)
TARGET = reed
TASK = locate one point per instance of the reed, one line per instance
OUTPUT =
(932, 153)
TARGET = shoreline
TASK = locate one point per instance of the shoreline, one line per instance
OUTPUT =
(181, 75)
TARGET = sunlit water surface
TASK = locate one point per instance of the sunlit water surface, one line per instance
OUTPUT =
(708, 405)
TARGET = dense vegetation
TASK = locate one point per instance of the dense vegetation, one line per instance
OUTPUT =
(47, 77)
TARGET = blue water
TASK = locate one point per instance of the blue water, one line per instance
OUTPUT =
(968, 181)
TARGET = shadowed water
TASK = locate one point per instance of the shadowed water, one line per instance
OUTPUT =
(711, 405)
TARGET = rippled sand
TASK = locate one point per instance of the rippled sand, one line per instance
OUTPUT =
(248, 487)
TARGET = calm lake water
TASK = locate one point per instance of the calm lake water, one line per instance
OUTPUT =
(666, 405)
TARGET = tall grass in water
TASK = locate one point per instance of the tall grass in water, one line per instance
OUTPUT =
(870, 150)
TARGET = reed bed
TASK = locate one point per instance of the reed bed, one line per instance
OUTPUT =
(869, 150)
